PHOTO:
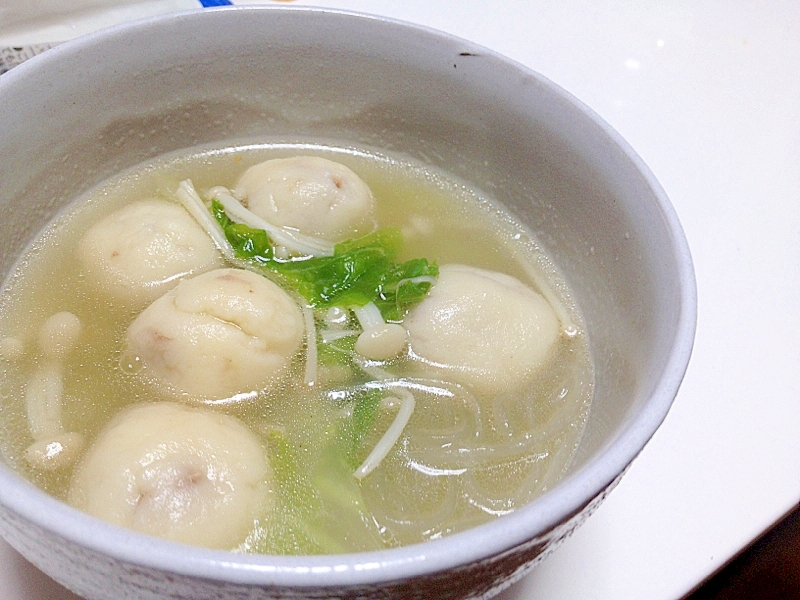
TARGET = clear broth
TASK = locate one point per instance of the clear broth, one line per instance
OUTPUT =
(462, 459)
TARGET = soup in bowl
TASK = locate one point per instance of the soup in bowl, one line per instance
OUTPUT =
(306, 302)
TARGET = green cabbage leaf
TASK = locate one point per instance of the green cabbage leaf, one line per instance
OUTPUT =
(360, 271)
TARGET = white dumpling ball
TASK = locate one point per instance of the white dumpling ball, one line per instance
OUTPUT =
(316, 196)
(217, 335)
(181, 473)
(487, 329)
(138, 252)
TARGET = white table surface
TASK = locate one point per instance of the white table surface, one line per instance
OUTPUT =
(708, 93)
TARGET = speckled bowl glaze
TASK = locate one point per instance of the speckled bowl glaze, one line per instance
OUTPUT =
(89, 108)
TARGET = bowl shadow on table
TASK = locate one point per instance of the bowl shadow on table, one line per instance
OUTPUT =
(767, 570)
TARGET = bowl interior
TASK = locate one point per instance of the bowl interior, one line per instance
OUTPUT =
(87, 110)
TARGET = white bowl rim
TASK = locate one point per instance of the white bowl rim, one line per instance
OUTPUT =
(447, 553)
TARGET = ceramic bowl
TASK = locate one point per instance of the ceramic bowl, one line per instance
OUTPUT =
(92, 107)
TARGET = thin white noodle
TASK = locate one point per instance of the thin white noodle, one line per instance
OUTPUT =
(311, 346)
(364, 364)
(296, 242)
(559, 462)
(369, 316)
(536, 275)
(331, 335)
(369, 367)
(388, 440)
(337, 317)
(531, 485)
(431, 519)
(187, 195)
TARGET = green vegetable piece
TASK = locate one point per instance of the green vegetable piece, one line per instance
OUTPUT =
(287, 530)
(360, 271)
(399, 290)
(338, 353)
(319, 510)
(344, 515)
(247, 242)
